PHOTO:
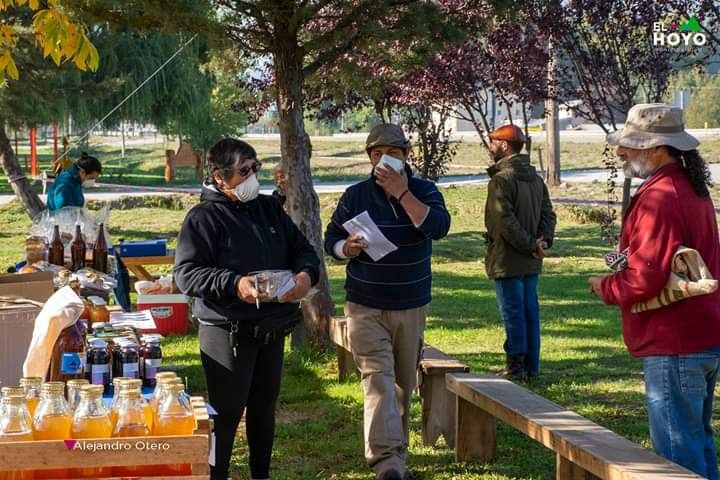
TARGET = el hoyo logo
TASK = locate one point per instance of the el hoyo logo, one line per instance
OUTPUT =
(688, 34)
(116, 446)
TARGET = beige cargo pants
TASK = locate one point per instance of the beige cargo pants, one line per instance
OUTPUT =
(386, 346)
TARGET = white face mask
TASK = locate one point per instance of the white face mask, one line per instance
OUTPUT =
(90, 182)
(247, 190)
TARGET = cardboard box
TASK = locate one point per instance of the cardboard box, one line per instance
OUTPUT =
(16, 330)
(149, 248)
(36, 286)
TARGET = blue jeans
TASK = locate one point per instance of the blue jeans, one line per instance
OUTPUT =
(679, 391)
(520, 310)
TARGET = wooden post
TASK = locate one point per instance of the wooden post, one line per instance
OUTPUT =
(33, 152)
(567, 470)
(169, 168)
(475, 433)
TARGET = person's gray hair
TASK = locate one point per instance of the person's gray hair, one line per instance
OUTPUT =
(227, 155)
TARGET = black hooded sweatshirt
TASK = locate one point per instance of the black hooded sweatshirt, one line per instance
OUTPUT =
(222, 240)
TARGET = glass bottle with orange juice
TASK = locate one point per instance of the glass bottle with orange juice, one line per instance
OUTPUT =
(131, 422)
(162, 378)
(91, 420)
(32, 392)
(136, 384)
(73, 391)
(52, 421)
(131, 415)
(117, 386)
(15, 426)
(174, 417)
(174, 414)
(6, 392)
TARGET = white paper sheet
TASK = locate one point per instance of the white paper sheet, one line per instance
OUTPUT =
(142, 320)
(378, 244)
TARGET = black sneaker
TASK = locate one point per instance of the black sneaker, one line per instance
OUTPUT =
(391, 474)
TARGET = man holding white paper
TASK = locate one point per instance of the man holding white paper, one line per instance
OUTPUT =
(384, 227)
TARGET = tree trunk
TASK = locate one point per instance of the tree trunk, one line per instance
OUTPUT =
(302, 202)
(19, 183)
(627, 184)
(552, 130)
(552, 143)
(528, 140)
(122, 150)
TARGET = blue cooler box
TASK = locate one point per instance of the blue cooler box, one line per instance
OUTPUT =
(148, 248)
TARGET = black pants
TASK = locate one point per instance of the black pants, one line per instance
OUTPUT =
(252, 381)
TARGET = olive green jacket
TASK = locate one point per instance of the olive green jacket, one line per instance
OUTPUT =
(518, 211)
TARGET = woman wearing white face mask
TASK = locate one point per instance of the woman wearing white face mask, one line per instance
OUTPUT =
(67, 189)
(234, 231)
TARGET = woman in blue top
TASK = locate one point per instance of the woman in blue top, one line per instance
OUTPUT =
(67, 190)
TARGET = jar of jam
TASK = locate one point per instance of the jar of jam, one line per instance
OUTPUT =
(130, 360)
(36, 249)
(99, 312)
(99, 364)
(116, 341)
(151, 360)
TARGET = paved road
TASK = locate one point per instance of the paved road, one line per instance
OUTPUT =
(571, 176)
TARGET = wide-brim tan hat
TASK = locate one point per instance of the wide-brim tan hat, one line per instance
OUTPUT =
(651, 125)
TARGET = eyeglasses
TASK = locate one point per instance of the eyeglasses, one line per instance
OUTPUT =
(245, 171)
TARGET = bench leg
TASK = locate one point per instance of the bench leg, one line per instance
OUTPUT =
(438, 411)
(567, 470)
(346, 364)
(475, 432)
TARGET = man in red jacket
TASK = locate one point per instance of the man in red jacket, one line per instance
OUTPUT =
(679, 343)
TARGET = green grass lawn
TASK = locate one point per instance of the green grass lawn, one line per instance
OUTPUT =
(585, 366)
(332, 161)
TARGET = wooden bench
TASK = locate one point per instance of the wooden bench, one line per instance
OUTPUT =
(584, 450)
(438, 405)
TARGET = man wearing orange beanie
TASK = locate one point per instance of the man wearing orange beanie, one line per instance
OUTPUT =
(520, 225)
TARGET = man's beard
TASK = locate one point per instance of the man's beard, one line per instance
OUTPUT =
(496, 155)
(638, 167)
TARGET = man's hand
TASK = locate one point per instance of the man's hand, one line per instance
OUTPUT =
(540, 247)
(301, 288)
(247, 292)
(392, 182)
(596, 286)
(354, 244)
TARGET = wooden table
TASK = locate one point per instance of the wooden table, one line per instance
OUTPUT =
(137, 264)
